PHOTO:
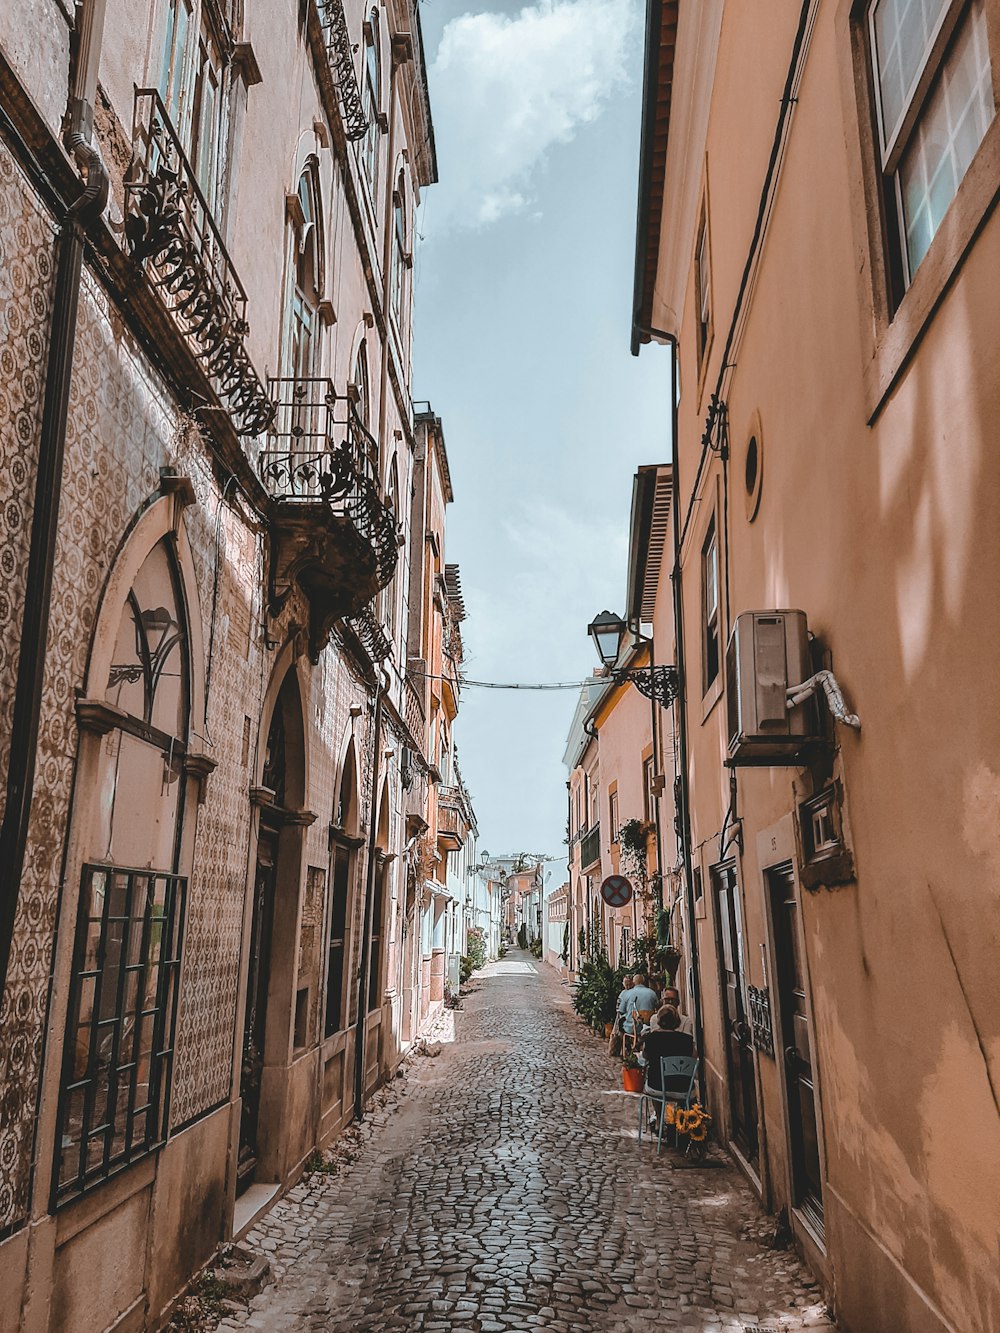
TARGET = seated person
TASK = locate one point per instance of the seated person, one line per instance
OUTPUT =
(672, 996)
(664, 1038)
(640, 997)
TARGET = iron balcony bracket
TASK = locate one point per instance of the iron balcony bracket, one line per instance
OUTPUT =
(662, 684)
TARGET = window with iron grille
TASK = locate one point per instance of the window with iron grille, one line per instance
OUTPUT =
(934, 102)
(118, 1052)
(119, 1048)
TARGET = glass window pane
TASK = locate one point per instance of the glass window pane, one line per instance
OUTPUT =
(144, 811)
(955, 119)
(904, 30)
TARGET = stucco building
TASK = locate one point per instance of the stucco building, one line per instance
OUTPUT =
(817, 240)
(218, 758)
(620, 754)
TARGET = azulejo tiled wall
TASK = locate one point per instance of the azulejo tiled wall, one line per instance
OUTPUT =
(27, 240)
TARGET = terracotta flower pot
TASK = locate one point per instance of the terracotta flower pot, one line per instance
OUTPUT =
(607, 1029)
(633, 1079)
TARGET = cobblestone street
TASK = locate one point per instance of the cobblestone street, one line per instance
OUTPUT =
(504, 1188)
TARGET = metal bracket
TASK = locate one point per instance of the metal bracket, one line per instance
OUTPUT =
(661, 684)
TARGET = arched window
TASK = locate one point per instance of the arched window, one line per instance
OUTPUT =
(399, 254)
(372, 99)
(363, 387)
(391, 593)
(117, 1062)
(307, 279)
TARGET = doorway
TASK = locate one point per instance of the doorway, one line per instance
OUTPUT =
(737, 1035)
(796, 1037)
(258, 979)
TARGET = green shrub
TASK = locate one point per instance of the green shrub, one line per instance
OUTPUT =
(536, 948)
(464, 969)
(522, 936)
(476, 944)
(597, 991)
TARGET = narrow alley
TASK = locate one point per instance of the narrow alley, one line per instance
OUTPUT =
(506, 1189)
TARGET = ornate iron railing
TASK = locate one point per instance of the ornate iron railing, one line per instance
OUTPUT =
(372, 635)
(171, 231)
(340, 54)
(321, 451)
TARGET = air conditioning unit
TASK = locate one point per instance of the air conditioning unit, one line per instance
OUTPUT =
(768, 651)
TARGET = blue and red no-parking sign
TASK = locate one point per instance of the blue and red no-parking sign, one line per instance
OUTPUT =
(616, 891)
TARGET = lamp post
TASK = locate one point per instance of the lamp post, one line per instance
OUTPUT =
(659, 683)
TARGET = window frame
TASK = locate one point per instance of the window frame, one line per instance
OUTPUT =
(893, 320)
(704, 323)
(710, 620)
(162, 1011)
(372, 99)
(891, 147)
(613, 825)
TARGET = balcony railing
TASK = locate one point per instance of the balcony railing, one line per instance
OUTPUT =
(171, 231)
(590, 847)
(340, 55)
(453, 820)
(320, 452)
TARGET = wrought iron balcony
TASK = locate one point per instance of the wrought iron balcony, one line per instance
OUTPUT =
(340, 57)
(335, 535)
(452, 821)
(171, 231)
(590, 847)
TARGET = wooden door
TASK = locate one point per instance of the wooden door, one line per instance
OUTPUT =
(739, 1050)
(796, 1036)
(258, 976)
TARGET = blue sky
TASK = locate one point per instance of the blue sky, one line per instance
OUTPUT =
(523, 291)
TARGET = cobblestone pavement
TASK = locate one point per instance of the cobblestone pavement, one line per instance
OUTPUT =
(504, 1188)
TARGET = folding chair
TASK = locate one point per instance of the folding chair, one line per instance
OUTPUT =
(677, 1077)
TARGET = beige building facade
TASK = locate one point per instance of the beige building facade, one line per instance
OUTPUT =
(817, 240)
(216, 762)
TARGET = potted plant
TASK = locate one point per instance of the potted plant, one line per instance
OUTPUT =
(633, 1074)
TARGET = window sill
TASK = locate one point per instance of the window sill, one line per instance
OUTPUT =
(710, 698)
(75, 1214)
(896, 340)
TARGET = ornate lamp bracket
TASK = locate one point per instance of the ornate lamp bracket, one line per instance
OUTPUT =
(661, 684)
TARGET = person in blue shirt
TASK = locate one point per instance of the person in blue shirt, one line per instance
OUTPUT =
(641, 999)
(623, 995)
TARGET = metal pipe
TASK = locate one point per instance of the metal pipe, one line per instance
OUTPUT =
(676, 578)
(48, 484)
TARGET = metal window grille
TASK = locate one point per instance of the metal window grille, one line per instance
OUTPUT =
(113, 1102)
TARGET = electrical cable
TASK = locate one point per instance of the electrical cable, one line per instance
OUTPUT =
(512, 685)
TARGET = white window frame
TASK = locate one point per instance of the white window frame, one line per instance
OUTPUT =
(893, 141)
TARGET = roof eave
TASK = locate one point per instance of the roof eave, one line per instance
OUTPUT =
(661, 40)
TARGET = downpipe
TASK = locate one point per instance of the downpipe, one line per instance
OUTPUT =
(48, 485)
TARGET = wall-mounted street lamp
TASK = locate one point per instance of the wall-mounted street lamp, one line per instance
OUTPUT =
(660, 683)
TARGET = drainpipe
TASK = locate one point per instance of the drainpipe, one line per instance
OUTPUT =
(51, 451)
(360, 1033)
(682, 736)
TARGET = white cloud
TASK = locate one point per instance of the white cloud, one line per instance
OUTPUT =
(505, 89)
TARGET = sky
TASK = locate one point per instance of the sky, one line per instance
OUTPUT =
(523, 275)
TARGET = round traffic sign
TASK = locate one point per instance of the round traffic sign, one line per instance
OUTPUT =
(616, 891)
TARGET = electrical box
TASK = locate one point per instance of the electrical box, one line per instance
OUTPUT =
(768, 651)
